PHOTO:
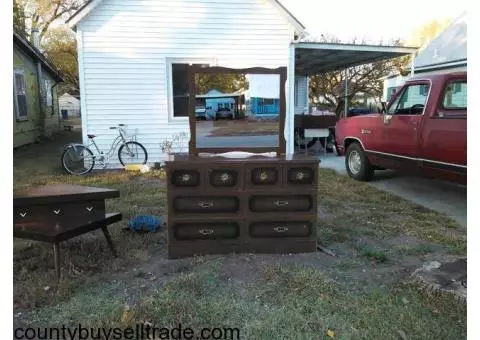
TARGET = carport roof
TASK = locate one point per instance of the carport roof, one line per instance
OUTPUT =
(316, 57)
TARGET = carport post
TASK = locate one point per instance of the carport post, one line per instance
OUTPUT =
(346, 93)
(412, 66)
(290, 109)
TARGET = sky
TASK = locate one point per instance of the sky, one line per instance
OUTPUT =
(374, 20)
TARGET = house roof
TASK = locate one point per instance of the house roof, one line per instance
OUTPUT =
(318, 57)
(83, 11)
(35, 53)
(449, 47)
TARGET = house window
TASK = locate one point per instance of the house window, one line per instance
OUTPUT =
(20, 92)
(48, 90)
(296, 92)
(267, 101)
(180, 88)
(455, 95)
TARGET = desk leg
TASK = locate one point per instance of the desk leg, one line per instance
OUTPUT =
(56, 260)
(109, 240)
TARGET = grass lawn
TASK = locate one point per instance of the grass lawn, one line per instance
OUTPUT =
(362, 293)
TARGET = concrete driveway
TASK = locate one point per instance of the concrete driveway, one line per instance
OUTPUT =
(440, 196)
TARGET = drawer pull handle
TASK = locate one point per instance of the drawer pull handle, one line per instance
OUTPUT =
(281, 203)
(23, 214)
(89, 209)
(56, 212)
(206, 231)
(205, 204)
(280, 229)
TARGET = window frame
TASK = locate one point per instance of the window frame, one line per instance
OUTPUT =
(17, 111)
(444, 91)
(169, 82)
(403, 89)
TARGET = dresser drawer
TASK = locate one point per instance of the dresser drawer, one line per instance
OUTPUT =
(279, 229)
(225, 177)
(300, 175)
(185, 178)
(206, 231)
(281, 203)
(80, 211)
(206, 204)
(264, 176)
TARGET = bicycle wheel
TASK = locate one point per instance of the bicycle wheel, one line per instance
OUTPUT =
(78, 160)
(132, 153)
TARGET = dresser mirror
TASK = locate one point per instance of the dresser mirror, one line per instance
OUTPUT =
(236, 110)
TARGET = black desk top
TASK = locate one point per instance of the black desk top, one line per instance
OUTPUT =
(55, 193)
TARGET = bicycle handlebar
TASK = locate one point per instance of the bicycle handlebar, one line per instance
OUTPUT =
(116, 127)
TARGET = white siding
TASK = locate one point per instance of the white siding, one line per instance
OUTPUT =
(301, 94)
(126, 47)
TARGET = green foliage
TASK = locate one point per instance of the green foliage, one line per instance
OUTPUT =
(60, 46)
(226, 83)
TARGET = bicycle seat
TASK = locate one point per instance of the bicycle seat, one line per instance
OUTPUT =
(91, 136)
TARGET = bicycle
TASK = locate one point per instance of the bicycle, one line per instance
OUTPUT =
(77, 154)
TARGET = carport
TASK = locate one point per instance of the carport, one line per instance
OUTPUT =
(311, 58)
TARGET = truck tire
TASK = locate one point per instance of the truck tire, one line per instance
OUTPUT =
(357, 164)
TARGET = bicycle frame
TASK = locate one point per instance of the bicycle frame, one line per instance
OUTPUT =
(105, 157)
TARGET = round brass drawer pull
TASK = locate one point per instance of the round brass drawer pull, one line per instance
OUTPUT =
(280, 229)
(206, 231)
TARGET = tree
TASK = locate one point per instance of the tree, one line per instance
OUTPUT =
(41, 14)
(18, 17)
(60, 47)
(364, 79)
(421, 36)
(226, 83)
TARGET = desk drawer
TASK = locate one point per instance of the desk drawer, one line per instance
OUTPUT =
(206, 204)
(80, 211)
(281, 203)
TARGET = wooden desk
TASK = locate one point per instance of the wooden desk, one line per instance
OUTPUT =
(56, 213)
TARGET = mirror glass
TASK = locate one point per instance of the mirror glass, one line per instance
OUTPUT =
(237, 110)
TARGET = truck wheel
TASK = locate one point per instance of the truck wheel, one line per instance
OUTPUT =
(357, 164)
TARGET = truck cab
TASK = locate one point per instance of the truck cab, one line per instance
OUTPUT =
(423, 130)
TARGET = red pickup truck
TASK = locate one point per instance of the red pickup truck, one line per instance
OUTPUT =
(422, 130)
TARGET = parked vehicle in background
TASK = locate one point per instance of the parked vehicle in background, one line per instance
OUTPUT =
(200, 112)
(224, 112)
(423, 130)
(211, 113)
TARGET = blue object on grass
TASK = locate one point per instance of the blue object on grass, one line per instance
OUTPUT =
(145, 223)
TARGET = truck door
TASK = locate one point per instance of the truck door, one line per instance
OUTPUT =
(443, 142)
(402, 122)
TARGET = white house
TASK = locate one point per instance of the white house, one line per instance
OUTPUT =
(69, 106)
(446, 53)
(130, 52)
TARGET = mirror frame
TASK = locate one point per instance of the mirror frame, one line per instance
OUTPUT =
(194, 70)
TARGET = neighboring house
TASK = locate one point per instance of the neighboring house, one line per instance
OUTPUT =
(69, 106)
(446, 53)
(263, 95)
(35, 97)
(134, 56)
(215, 100)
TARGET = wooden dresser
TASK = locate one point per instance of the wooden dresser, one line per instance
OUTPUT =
(255, 204)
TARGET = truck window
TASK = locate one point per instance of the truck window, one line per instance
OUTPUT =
(411, 101)
(455, 95)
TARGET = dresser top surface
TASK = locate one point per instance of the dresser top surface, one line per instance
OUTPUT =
(241, 158)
